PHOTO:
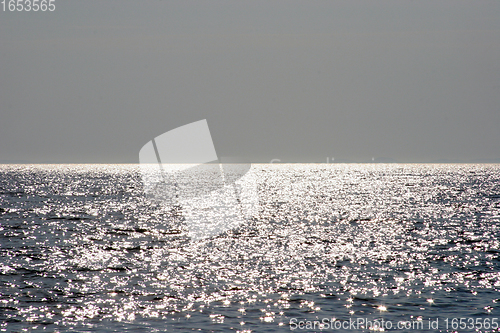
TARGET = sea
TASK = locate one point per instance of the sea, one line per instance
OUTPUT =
(332, 247)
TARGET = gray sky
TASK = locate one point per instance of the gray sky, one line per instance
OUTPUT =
(299, 81)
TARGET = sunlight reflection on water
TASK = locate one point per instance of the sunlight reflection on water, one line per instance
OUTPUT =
(84, 249)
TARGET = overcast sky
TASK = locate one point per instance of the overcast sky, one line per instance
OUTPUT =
(299, 81)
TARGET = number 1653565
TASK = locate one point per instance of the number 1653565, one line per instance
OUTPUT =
(28, 5)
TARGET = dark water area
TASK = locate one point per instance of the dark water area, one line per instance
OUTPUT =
(82, 249)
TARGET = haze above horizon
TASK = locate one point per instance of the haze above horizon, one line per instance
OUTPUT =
(394, 81)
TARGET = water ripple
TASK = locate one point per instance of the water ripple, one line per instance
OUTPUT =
(83, 249)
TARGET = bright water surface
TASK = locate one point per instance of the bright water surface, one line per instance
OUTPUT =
(82, 249)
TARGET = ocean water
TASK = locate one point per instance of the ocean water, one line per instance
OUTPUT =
(83, 249)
